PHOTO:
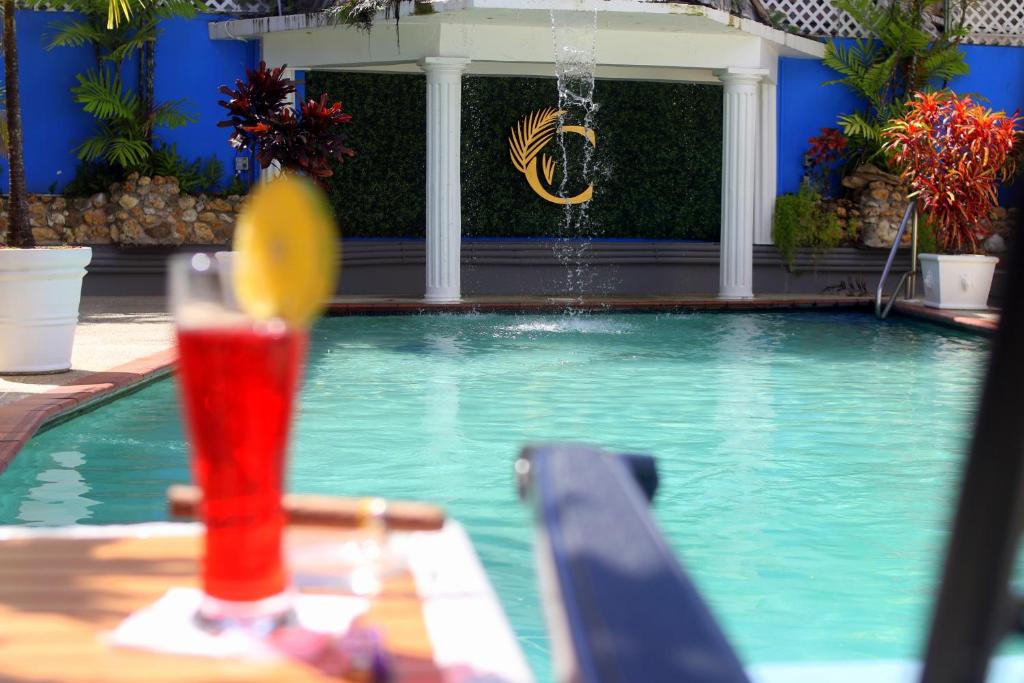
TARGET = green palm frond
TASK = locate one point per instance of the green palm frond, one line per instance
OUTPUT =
(127, 153)
(113, 147)
(75, 34)
(171, 114)
(101, 94)
(92, 149)
(944, 64)
(857, 126)
(130, 45)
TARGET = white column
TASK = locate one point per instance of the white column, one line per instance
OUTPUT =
(444, 186)
(767, 163)
(739, 157)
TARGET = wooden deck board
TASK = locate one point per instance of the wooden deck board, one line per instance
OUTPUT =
(58, 597)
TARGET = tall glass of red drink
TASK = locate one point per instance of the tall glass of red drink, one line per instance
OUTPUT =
(237, 379)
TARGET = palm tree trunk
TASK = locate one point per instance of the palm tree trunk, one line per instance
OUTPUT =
(149, 56)
(18, 232)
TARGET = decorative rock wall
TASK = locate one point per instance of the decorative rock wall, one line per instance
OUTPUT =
(878, 203)
(140, 212)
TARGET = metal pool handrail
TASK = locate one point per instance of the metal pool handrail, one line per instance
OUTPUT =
(879, 311)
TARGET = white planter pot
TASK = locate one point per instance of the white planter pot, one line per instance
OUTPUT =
(40, 290)
(957, 281)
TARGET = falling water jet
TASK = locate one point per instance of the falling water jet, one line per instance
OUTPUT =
(574, 33)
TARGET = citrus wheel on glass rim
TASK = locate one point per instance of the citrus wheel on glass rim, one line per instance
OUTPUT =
(286, 245)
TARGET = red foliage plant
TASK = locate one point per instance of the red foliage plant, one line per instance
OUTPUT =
(823, 156)
(953, 152)
(305, 141)
(826, 148)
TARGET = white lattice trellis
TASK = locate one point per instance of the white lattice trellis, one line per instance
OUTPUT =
(997, 22)
(241, 6)
(814, 17)
(991, 22)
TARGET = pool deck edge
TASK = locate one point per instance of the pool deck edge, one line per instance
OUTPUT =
(346, 306)
(20, 420)
(984, 322)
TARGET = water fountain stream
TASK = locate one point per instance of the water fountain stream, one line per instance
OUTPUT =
(574, 33)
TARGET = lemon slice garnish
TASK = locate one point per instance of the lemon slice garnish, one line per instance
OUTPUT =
(286, 264)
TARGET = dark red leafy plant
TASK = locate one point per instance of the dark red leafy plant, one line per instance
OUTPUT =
(823, 155)
(264, 121)
(953, 152)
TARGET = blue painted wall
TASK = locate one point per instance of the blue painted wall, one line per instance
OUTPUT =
(53, 123)
(188, 65)
(806, 106)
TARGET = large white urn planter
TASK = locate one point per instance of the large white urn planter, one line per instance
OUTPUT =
(40, 290)
(957, 281)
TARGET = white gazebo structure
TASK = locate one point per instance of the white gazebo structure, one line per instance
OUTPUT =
(635, 40)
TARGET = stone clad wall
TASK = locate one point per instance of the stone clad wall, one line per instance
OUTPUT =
(139, 212)
(878, 201)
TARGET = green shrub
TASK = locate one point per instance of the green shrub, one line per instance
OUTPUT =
(93, 177)
(235, 186)
(198, 175)
(803, 220)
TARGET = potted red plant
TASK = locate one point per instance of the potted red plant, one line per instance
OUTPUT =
(303, 141)
(952, 153)
(263, 121)
(40, 288)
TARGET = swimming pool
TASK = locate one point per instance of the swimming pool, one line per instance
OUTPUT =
(808, 460)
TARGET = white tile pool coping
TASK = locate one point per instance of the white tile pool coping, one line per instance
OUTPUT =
(1003, 670)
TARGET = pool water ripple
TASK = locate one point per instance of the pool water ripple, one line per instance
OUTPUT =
(808, 461)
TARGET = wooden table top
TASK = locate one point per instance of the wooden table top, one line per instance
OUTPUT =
(59, 595)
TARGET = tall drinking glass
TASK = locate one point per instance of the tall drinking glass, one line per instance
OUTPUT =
(237, 379)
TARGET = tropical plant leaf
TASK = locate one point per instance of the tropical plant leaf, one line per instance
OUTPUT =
(131, 44)
(127, 153)
(170, 114)
(92, 148)
(75, 34)
(101, 94)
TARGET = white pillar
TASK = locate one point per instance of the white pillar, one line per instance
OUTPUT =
(444, 186)
(767, 164)
(739, 157)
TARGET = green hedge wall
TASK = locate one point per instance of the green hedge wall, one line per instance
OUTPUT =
(658, 158)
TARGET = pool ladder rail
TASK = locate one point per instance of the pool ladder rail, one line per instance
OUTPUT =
(910, 277)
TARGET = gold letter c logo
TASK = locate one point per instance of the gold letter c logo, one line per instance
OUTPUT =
(529, 137)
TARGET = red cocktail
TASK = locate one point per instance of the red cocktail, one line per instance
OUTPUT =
(238, 379)
(237, 387)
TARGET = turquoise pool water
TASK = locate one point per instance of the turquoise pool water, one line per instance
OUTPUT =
(808, 460)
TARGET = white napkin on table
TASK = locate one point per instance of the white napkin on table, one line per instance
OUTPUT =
(168, 626)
